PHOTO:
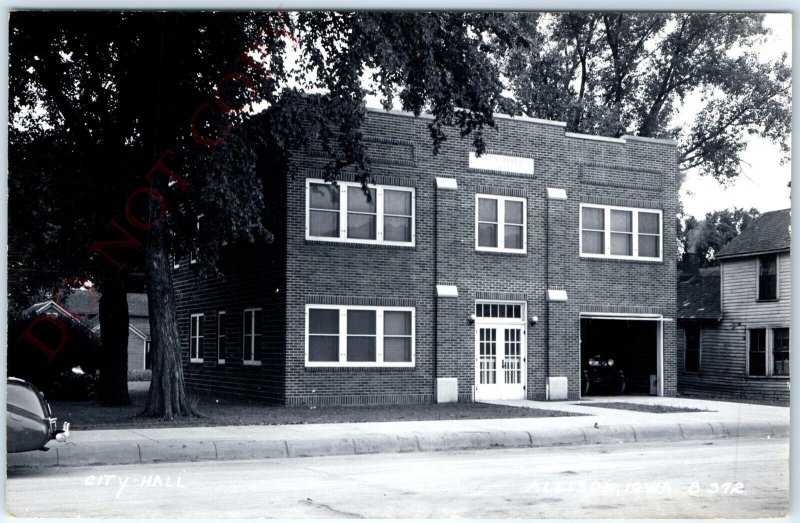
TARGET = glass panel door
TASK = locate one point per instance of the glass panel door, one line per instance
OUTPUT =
(487, 355)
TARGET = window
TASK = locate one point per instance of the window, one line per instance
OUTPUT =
(780, 352)
(500, 223)
(221, 332)
(620, 232)
(148, 361)
(768, 352)
(195, 252)
(344, 213)
(691, 354)
(359, 336)
(512, 311)
(196, 338)
(768, 277)
(252, 337)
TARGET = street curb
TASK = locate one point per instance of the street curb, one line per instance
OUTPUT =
(154, 451)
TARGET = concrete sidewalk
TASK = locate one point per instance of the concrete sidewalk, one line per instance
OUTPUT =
(597, 425)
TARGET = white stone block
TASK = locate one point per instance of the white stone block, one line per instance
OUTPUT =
(446, 390)
(557, 388)
(446, 291)
(446, 184)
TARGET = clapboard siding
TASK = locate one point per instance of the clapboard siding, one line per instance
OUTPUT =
(723, 357)
(739, 282)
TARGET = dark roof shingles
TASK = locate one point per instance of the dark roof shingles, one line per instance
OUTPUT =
(699, 297)
(769, 233)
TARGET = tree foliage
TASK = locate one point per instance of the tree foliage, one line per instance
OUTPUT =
(633, 73)
(98, 99)
(709, 235)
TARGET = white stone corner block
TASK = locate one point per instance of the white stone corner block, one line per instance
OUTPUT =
(556, 295)
(446, 291)
(557, 388)
(446, 390)
(446, 184)
(556, 194)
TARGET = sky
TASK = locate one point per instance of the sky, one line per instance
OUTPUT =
(763, 182)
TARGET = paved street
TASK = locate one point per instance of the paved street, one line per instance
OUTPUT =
(725, 478)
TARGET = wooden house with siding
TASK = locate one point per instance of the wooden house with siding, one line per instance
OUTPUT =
(734, 320)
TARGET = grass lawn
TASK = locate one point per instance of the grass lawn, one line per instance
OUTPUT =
(216, 411)
(640, 407)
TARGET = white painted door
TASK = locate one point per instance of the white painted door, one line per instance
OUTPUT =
(500, 362)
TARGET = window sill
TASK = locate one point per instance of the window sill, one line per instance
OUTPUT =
(251, 363)
(646, 261)
(768, 300)
(220, 362)
(359, 244)
(771, 378)
(359, 368)
(196, 360)
(501, 252)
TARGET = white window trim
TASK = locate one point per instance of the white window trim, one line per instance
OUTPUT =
(510, 321)
(378, 337)
(607, 232)
(768, 348)
(199, 339)
(342, 238)
(699, 350)
(777, 279)
(221, 338)
(501, 223)
(249, 361)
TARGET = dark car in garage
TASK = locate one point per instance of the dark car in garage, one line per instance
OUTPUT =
(30, 424)
(602, 374)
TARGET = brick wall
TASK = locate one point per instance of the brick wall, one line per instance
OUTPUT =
(251, 276)
(631, 172)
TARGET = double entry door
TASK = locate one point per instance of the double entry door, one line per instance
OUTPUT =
(500, 361)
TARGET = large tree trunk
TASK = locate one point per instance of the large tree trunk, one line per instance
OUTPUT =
(112, 386)
(167, 395)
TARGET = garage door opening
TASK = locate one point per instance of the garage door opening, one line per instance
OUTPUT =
(619, 356)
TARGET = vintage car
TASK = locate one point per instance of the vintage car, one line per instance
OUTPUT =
(602, 375)
(29, 422)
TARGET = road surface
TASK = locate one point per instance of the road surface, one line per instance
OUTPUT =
(724, 478)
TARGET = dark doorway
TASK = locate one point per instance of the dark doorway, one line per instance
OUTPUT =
(618, 356)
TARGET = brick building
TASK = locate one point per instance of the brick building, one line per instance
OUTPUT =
(464, 277)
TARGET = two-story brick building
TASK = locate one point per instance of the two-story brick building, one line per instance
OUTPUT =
(462, 277)
(734, 320)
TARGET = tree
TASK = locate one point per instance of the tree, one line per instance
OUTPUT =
(708, 236)
(631, 73)
(153, 118)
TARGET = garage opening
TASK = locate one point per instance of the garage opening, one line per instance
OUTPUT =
(619, 356)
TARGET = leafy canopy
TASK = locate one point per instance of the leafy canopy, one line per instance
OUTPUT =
(634, 73)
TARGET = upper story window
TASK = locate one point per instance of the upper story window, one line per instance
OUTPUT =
(345, 214)
(768, 277)
(620, 232)
(355, 336)
(500, 223)
(194, 254)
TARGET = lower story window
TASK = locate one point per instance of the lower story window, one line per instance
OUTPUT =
(252, 337)
(355, 336)
(691, 356)
(196, 339)
(768, 352)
